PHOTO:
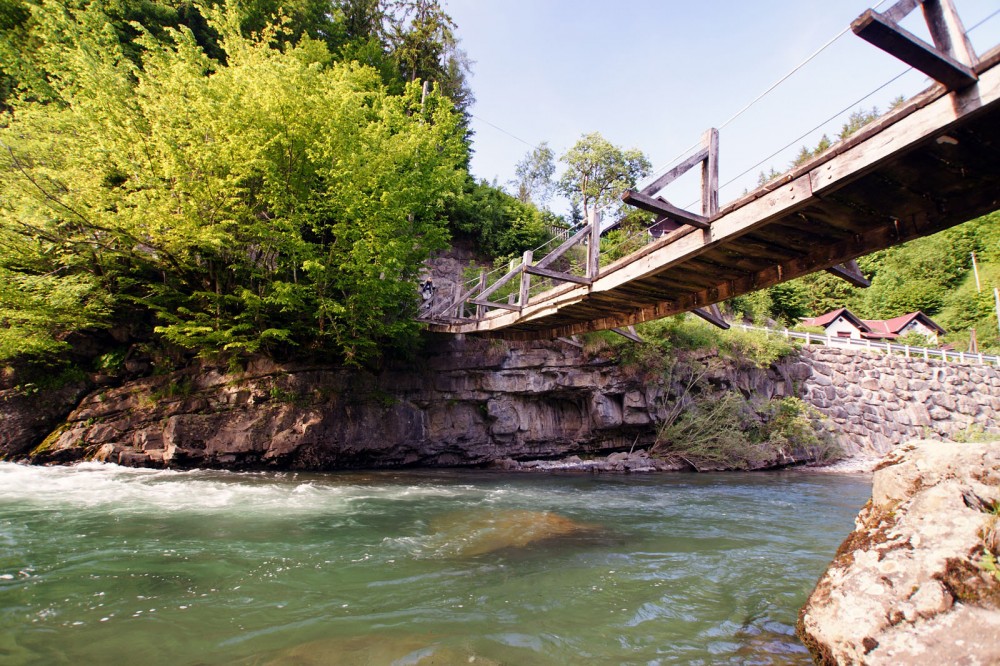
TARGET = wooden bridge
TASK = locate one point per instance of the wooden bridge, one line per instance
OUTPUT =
(929, 164)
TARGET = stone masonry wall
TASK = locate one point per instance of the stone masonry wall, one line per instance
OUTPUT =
(878, 401)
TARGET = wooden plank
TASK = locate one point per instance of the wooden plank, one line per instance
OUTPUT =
(594, 246)
(912, 50)
(571, 341)
(557, 275)
(851, 272)
(947, 31)
(499, 283)
(675, 173)
(494, 304)
(628, 333)
(524, 292)
(932, 120)
(661, 206)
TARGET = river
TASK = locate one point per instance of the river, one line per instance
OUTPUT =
(101, 564)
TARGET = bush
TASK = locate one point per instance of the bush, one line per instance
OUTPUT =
(728, 431)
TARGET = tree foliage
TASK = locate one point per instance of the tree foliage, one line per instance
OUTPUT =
(280, 198)
(597, 172)
(502, 225)
(533, 175)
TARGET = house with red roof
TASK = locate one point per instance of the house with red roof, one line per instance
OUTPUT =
(842, 323)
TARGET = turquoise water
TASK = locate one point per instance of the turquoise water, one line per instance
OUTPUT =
(107, 565)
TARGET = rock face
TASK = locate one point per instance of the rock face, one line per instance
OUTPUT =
(913, 584)
(27, 417)
(879, 401)
(465, 403)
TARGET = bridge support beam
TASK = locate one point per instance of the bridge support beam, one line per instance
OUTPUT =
(713, 315)
(850, 271)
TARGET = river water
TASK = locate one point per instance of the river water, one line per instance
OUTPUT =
(107, 565)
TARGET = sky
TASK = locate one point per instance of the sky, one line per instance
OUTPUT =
(655, 74)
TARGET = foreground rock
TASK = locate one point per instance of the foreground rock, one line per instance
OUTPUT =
(916, 583)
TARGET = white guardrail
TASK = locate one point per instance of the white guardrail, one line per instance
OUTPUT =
(889, 348)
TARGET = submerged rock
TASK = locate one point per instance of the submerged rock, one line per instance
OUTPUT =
(471, 533)
(917, 581)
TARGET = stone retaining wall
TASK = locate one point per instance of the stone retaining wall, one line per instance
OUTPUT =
(878, 401)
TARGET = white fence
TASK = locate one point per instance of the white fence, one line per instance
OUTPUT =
(889, 348)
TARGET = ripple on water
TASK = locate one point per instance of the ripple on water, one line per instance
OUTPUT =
(165, 567)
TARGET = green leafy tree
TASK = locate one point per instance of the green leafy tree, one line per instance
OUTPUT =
(502, 226)
(533, 175)
(597, 172)
(285, 199)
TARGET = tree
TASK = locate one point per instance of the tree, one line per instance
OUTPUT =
(502, 225)
(283, 200)
(533, 182)
(597, 172)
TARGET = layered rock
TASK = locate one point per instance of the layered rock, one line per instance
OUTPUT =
(465, 403)
(916, 582)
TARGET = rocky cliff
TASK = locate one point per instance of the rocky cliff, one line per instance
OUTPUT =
(917, 582)
(463, 403)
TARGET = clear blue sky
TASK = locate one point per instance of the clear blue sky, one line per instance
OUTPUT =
(654, 74)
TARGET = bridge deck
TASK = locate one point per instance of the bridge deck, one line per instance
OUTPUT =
(930, 164)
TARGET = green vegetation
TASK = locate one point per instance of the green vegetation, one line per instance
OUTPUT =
(663, 337)
(238, 191)
(598, 172)
(729, 431)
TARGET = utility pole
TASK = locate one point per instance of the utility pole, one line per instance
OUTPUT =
(975, 269)
(996, 297)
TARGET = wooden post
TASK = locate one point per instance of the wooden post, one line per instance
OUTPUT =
(710, 174)
(458, 304)
(947, 31)
(525, 278)
(594, 247)
(481, 309)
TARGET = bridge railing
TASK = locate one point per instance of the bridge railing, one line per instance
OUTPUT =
(909, 351)
(513, 288)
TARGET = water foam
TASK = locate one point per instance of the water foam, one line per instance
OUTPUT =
(106, 486)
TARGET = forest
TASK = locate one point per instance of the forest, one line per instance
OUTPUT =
(225, 179)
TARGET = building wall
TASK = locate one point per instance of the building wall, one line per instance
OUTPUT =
(842, 324)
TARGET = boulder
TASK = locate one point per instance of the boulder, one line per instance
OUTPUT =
(916, 582)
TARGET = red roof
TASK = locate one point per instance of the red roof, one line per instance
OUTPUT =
(874, 328)
(830, 317)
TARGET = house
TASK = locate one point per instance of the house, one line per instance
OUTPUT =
(839, 323)
(914, 322)
(842, 323)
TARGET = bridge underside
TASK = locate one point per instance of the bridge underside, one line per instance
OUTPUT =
(929, 165)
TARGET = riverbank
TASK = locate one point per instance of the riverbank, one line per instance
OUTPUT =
(482, 403)
(469, 403)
